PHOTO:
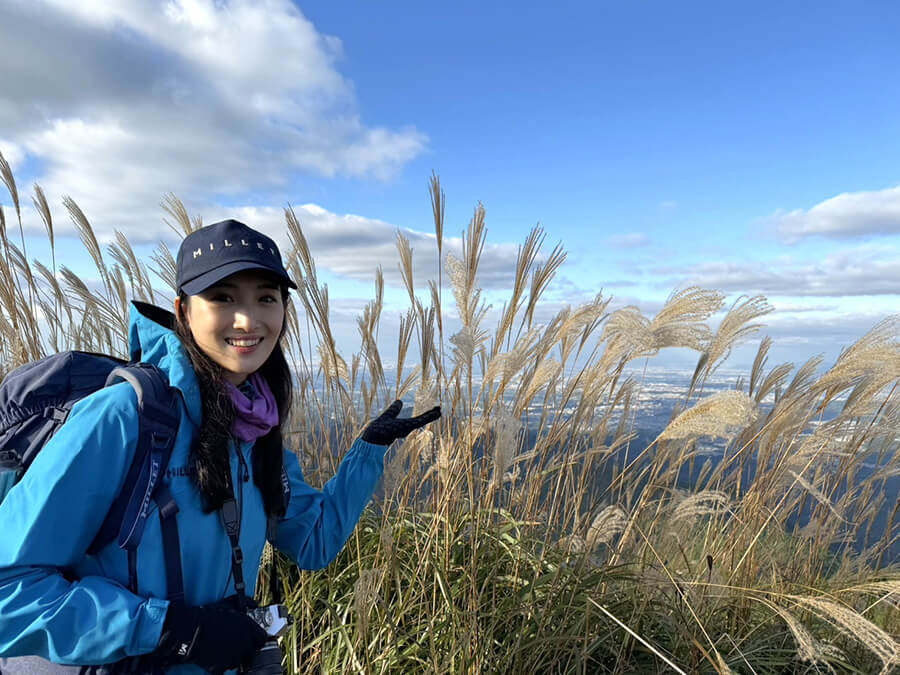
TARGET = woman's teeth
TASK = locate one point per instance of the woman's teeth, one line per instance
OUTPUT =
(243, 343)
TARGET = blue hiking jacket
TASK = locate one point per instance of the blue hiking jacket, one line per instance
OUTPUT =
(59, 603)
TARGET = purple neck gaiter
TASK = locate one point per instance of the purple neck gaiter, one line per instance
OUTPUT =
(253, 418)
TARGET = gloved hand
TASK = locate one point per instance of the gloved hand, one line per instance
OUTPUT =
(212, 637)
(386, 428)
(231, 602)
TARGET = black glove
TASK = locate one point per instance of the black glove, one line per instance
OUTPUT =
(386, 428)
(212, 637)
(231, 602)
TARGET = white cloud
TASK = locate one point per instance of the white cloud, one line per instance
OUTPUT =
(846, 216)
(120, 103)
(13, 153)
(863, 270)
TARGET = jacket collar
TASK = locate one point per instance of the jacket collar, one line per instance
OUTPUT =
(152, 339)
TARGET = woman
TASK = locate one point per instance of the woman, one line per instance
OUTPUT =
(221, 352)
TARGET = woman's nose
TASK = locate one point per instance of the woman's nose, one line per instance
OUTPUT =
(243, 320)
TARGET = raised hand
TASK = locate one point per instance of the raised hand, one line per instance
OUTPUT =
(387, 427)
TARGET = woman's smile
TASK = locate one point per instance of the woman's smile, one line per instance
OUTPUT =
(244, 345)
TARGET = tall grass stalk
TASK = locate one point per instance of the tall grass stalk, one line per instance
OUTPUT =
(528, 531)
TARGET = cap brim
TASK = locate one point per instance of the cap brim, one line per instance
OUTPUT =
(211, 278)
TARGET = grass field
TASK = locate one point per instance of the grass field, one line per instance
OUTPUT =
(527, 531)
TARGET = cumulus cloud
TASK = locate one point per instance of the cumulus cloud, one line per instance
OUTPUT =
(846, 216)
(120, 103)
(864, 270)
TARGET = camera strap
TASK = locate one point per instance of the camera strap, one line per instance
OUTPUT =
(231, 519)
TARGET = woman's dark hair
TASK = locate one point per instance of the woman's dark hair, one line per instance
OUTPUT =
(210, 461)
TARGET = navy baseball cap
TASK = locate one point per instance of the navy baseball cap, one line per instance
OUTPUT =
(210, 254)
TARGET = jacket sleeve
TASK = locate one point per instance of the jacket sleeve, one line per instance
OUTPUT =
(318, 522)
(48, 520)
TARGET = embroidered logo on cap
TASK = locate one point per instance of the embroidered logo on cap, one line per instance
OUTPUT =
(243, 244)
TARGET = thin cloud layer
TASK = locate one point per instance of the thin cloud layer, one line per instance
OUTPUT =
(847, 216)
(117, 104)
(864, 270)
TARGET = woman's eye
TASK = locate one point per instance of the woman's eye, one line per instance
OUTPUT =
(268, 299)
(220, 297)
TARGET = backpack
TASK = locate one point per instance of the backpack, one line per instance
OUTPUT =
(35, 401)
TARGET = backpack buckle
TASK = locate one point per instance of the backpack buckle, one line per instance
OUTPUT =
(58, 415)
(159, 440)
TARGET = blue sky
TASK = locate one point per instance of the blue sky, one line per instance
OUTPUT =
(746, 147)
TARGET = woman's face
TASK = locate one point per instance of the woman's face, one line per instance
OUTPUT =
(237, 322)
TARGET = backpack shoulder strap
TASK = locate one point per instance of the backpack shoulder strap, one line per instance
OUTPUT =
(158, 425)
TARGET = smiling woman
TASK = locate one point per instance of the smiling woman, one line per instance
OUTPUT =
(221, 352)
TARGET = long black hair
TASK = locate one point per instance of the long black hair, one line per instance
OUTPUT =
(209, 452)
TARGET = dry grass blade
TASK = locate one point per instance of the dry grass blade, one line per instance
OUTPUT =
(803, 377)
(406, 265)
(546, 371)
(877, 353)
(49, 279)
(702, 503)
(774, 380)
(688, 305)
(886, 588)
(808, 648)
(6, 175)
(109, 316)
(438, 206)
(59, 305)
(86, 232)
(365, 590)
(332, 364)
(165, 265)
(759, 363)
(540, 279)
(367, 324)
(175, 208)
(300, 248)
(816, 493)
(406, 327)
(17, 258)
(855, 626)
(525, 258)
(637, 637)
(719, 415)
(679, 322)
(506, 429)
(735, 326)
(627, 332)
(457, 273)
(464, 343)
(121, 293)
(606, 526)
(865, 399)
(43, 209)
(125, 259)
(426, 338)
